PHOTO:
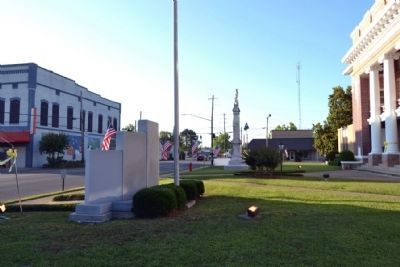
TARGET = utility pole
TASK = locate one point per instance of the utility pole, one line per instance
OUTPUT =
(82, 132)
(212, 129)
(176, 96)
(224, 136)
(266, 135)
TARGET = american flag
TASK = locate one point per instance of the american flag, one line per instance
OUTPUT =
(195, 148)
(165, 149)
(216, 151)
(107, 138)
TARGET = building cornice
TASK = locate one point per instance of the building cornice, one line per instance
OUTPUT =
(382, 20)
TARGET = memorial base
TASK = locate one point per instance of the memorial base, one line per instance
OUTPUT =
(374, 159)
(390, 159)
(102, 212)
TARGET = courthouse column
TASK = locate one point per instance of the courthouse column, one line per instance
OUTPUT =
(376, 146)
(391, 155)
(375, 157)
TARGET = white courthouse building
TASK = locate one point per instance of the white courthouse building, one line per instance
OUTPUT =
(35, 101)
(374, 66)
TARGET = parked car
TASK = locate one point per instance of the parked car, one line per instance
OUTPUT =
(201, 157)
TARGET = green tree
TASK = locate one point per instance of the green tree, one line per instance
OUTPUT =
(129, 128)
(340, 115)
(165, 136)
(223, 142)
(53, 145)
(340, 108)
(325, 139)
(188, 137)
(283, 127)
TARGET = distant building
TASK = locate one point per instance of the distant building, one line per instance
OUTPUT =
(35, 101)
(299, 144)
(374, 66)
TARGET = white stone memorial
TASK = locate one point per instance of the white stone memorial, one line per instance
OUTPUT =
(113, 177)
(236, 162)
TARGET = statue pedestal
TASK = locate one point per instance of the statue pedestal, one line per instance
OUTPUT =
(236, 167)
(236, 163)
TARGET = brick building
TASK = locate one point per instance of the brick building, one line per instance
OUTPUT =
(298, 145)
(374, 66)
(35, 101)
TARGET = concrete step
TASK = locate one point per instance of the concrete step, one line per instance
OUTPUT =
(380, 169)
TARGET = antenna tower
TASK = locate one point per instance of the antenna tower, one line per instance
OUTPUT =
(298, 89)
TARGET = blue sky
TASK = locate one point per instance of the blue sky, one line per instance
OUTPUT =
(123, 50)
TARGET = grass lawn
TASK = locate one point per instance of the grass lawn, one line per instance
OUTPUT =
(308, 166)
(218, 171)
(303, 222)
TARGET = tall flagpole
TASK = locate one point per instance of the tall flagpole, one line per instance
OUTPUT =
(176, 96)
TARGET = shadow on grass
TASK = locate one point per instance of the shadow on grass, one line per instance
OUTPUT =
(211, 234)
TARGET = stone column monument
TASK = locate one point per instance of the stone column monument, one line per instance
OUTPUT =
(236, 162)
(113, 177)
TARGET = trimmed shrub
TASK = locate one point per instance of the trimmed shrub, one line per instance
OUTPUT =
(262, 159)
(346, 155)
(331, 156)
(190, 188)
(179, 194)
(154, 202)
(200, 187)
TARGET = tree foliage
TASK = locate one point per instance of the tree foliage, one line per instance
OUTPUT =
(53, 145)
(223, 142)
(165, 136)
(188, 137)
(340, 115)
(325, 139)
(129, 128)
(340, 108)
(290, 127)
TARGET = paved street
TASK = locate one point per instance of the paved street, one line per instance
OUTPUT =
(41, 181)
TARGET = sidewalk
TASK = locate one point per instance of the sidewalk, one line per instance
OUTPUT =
(355, 175)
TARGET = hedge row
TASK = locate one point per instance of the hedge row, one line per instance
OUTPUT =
(161, 200)
(69, 197)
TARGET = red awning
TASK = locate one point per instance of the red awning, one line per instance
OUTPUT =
(14, 137)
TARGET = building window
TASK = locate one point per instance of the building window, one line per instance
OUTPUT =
(100, 124)
(82, 121)
(109, 107)
(2, 110)
(57, 92)
(15, 86)
(90, 121)
(109, 121)
(94, 103)
(55, 114)
(44, 113)
(14, 111)
(115, 124)
(0, 85)
(70, 117)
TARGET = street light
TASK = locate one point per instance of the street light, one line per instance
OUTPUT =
(281, 147)
(246, 127)
(266, 136)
